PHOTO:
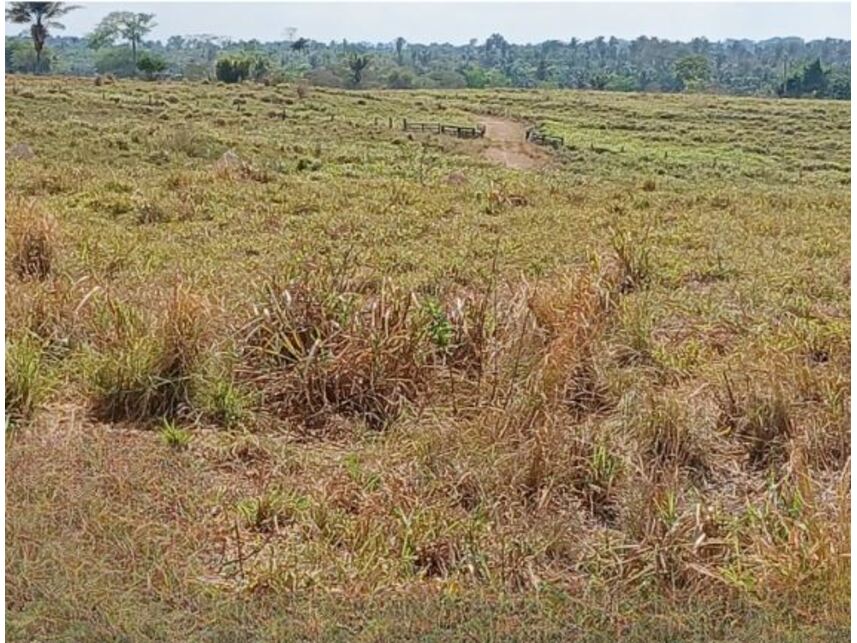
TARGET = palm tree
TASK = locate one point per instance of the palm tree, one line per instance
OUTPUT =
(43, 16)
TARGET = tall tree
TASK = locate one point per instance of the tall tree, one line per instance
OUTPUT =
(43, 16)
(400, 46)
(357, 64)
(693, 71)
(129, 26)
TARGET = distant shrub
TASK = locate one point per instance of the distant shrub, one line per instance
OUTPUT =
(234, 68)
(151, 64)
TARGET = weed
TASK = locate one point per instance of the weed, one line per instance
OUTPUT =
(174, 436)
(223, 401)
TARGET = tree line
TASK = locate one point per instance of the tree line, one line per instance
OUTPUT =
(788, 67)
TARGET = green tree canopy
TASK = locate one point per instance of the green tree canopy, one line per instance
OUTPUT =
(151, 64)
(693, 71)
(126, 25)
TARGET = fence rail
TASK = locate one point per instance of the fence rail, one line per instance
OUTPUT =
(461, 131)
(534, 136)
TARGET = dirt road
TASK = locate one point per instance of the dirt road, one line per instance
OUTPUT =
(506, 144)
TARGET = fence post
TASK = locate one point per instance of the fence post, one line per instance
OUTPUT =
(404, 123)
(390, 122)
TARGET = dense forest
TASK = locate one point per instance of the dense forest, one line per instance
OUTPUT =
(778, 66)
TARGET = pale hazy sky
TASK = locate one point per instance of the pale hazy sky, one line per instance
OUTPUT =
(459, 22)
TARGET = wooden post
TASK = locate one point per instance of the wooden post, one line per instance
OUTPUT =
(390, 122)
(404, 123)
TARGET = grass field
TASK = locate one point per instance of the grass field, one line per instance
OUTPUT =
(276, 370)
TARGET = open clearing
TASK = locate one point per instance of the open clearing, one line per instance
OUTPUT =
(278, 371)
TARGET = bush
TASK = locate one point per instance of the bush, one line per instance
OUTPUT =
(151, 64)
(234, 68)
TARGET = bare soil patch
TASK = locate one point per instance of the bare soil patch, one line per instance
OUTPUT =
(507, 145)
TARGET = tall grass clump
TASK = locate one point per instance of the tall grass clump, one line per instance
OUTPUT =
(148, 373)
(32, 241)
(634, 259)
(759, 417)
(27, 381)
(315, 349)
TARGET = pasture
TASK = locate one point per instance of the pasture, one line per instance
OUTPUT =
(277, 370)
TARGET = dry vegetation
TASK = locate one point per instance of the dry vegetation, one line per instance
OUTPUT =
(347, 383)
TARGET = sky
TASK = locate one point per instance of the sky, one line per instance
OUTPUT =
(457, 22)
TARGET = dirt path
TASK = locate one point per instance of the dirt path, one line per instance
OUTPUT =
(506, 144)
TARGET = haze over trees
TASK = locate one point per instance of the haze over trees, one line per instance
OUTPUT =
(787, 66)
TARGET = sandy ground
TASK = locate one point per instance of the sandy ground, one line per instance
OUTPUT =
(507, 145)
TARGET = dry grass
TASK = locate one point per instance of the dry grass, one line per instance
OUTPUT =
(32, 242)
(323, 392)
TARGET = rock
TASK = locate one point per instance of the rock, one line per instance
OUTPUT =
(20, 151)
(456, 178)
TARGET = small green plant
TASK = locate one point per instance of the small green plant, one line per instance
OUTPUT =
(369, 481)
(175, 436)
(603, 468)
(224, 402)
(667, 508)
(271, 510)
(440, 328)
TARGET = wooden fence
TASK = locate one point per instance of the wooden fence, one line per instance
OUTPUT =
(538, 138)
(460, 131)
